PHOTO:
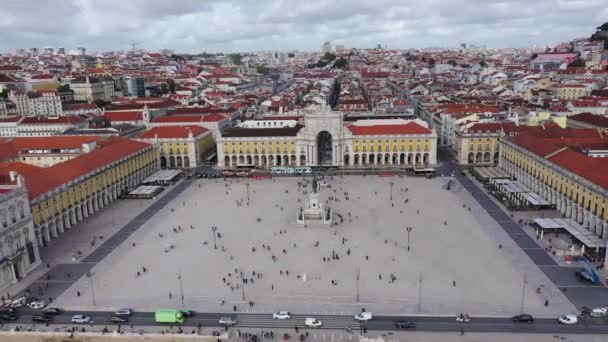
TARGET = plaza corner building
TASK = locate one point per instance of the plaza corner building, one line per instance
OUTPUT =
(325, 139)
(569, 169)
(88, 173)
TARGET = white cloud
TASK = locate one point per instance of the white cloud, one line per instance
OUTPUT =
(243, 25)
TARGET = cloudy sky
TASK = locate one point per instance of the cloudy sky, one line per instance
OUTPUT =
(251, 25)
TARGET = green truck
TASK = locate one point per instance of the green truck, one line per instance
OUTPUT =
(169, 316)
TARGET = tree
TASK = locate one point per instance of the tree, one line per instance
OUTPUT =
(236, 58)
(534, 55)
(577, 63)
(483, 64)
(341, 63)
(262, 69)
(164, 88)
(291, 55)
(4, 93)
(329, 56)
(604, 27)
(171, 84)
(63, 88)
(431, 63)
(452, 62)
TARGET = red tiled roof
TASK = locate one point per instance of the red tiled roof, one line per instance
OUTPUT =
(408, 128)
(189, 118)
(124, 116)
(42, 120)
(13, 118)
(52, 142)
(592, 119)
(173, 132)
(40, 180)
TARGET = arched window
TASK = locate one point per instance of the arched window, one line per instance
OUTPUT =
(21, 211)
(3, 218)
(11, 210)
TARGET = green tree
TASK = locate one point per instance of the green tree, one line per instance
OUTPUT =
(431, 63)
(452, 62)
(236, 58)
(171, 84)
(341, 63)
(4, 93)
(164, 88)
(534, 55)
(329, 56)
(577, 63)
(603, 27)
(262, 69)
(63, 88)
(291, 55)
(483, 64)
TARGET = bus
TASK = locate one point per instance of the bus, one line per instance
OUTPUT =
(290, 170)
(169, 316)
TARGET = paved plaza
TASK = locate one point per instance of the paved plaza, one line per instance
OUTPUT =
(467, 263)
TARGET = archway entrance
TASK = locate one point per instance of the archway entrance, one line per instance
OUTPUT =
(324, 148)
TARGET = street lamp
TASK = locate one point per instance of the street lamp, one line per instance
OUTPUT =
(391, 184)
(420, 294)
(409, 230)
(357, 285)
(213, 229)
(90, 276)
(181, 289)
(523, 294)
(247, 185)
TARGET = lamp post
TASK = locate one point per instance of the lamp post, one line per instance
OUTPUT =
(409, 230)
(247, 185)
(90, 276)
(523, 294)
(391, 184)
(181, 289)
(213, 230)
(358, 285)
(420, 294)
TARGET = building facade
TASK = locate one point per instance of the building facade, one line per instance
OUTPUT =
(18, 248)
(179, 146)
(43, 103)
(324, 140)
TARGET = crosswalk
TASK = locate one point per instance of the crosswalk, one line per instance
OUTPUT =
(266, 320)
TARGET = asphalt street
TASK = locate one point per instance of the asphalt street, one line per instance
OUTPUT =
(336, 322)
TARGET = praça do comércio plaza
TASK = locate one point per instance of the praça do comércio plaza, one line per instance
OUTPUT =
(420, 182)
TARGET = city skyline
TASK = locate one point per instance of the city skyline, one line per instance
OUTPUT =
(229, 26)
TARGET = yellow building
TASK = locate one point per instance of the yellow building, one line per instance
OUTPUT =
(476, 143)
(566, 167)
(180, 146)
(324, 139)
(570, 91)
(66, 193)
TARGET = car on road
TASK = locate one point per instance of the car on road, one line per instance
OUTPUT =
(405, 324)
(281, 315)
(312, 322)
(599, 312)
(188, 313)
(81, 319)
(42, 318)
(118, 319)
(51, 311)
(227, 321)
(7, 310)
(8, 317)
(36, 305)
(524, 318)
(123, 312)
(568, 319)
(364, 316)
(21, 301)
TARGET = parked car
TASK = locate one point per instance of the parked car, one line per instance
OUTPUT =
(405, 324)
(525, 318)
(227, 321)
(42, 318)
(312, 322)
(119, 319)
(51, 311)
(81, 319)
(39, 304)
(281, 315)
(599, 312)
(568, 319)
(364, 316)
(21, 301)
(123, 312)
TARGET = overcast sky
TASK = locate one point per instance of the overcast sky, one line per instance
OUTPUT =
(251, 25)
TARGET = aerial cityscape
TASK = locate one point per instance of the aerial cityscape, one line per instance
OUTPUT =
(319, 171)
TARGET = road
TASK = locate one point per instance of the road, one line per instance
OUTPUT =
(336, 322)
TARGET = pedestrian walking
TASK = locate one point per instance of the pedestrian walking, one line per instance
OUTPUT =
(170, 295)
